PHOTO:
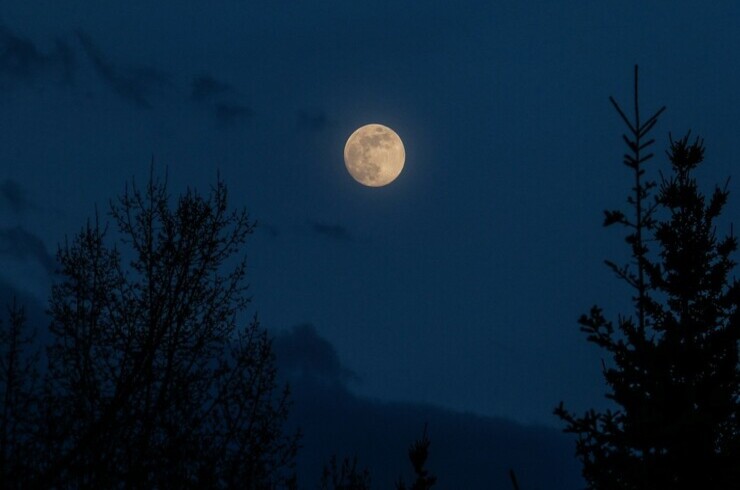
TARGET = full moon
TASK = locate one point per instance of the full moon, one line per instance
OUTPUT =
(374, 155)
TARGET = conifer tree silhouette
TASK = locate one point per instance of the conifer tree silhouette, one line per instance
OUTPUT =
(418, 454)
(346, 476)
(674, 374)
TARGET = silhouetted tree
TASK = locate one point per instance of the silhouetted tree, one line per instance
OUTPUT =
(418, 454)
(153, 381)
(18, 385)
(674, 375)
(346, 476)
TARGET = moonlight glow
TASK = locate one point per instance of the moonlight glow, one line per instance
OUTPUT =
(374, 155)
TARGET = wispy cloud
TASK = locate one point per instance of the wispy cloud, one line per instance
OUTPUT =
(15, 197)
(20, 244)
(206, 87)
(228, 114)
(268, 228)
(135, 85)
(22, 62)
(312, 120)
(334, 231)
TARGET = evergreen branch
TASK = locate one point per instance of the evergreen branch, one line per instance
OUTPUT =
(645, 158)
(631, 144)
(646, 144)
(648, 125)
(621, 113)
(622, 273)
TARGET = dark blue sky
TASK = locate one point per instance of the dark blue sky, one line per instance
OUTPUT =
(459, 285)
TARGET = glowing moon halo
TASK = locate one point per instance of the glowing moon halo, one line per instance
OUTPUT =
(374, 155)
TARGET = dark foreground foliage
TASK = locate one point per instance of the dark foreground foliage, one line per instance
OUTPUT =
(673, 372)
(152, 379)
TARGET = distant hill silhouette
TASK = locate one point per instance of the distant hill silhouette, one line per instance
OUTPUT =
(468, 451)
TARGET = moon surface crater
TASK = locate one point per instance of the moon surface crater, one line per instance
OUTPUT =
(374, 155)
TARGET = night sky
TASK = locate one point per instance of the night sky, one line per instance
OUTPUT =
(450, 296)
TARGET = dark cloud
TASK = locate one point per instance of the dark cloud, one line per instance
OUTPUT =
(302, 354)
(467, 451)
(268, 228)
(19, 57)
(22, 62)
(205, 87)
(66, 59)
(20, 244)
(14, 197)
(134, 85)
(313, 120)
(335, 232)
(228, 114)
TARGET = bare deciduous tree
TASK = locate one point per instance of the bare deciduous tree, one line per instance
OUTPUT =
(153, 380)
(18, 385)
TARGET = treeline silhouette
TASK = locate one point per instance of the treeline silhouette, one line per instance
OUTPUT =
(151, 378)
